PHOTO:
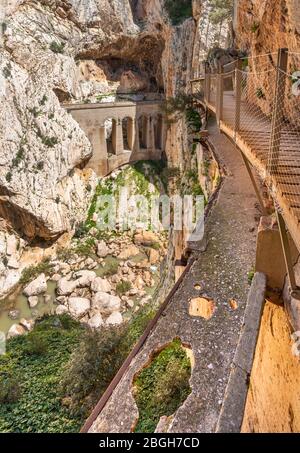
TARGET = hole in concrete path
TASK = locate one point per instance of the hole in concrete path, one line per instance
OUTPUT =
(233, 304)
(202, 307)
(198, 287)
(162, 386)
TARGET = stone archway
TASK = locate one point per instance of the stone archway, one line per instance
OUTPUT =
(128, 129)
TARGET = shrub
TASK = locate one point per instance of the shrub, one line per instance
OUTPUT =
(123, 287)
(85, 248)
(36, 344)
(97, 359)
(8, 176)
(38, 408)
(260, 93)
(179, 10)
(31, 272)
(10, 390)
(162, 387)
(111, 268)
(57, 47)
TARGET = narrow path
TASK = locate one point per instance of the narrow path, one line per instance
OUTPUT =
(222, 273)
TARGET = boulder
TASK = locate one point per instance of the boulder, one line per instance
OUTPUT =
(153, 256)
(14, 314)
(33, 301)
(61, 310)
(15, 331)
(78, 306)
(36, 287)
(96, 321)
(84, 278)
(28, 324)
(114, 319)
(102, 249)
(128, 252)
(139, 282)
(65, 286)
(106, 303)
(100, 285)
(56, 277)
(145, 238)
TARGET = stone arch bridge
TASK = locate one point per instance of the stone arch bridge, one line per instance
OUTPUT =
(121, 132)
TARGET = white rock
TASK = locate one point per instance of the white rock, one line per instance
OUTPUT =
(78, 306)
(100, 285)
(102, 249)
(96, 321)
(61, 309)
(84, 278)
(15, 331)
(106, 303)
(13, 263)
(65, 286)
(56, 277)
(28, 324)
(33, 301)
(114, 319)
(36, 287)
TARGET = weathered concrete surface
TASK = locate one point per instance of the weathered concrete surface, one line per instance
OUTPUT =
(222, 273)
(269, 254)
(273, 403)
(232, 413)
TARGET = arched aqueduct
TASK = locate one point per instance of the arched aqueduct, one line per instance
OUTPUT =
(121, 132)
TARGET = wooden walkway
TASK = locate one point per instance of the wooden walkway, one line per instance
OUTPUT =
(253, 138)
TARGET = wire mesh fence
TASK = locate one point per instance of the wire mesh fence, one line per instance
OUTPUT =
(259, 103)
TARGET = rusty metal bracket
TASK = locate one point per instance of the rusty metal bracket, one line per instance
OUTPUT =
(294, 289)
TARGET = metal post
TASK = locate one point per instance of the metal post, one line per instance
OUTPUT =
(294, 290)
(264, 211)
(238, 95)
(278, 111)
(220, 95)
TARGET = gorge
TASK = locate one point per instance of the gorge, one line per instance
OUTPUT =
(146, 329)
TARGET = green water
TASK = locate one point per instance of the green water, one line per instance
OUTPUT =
(19, 302)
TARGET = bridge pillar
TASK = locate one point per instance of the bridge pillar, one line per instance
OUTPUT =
(131, 125)
(151, 136)
(98, 162)
(136, 135)
(117, 137)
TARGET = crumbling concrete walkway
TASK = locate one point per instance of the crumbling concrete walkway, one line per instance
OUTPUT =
(221, 271)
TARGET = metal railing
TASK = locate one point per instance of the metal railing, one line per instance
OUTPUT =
(257, 104)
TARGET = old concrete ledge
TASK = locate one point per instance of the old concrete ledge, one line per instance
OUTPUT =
(221, 273)
(232, 412)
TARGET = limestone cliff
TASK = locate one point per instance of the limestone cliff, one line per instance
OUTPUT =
(57, 50)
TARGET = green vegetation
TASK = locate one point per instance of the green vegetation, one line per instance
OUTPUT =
(8, 176)
(260, 93)
(136, 178)
(32, 272)
(123, 287)
(57, 47)
(255, 27)
(250, 276)
(49, 141)
(29, 378)
(162, 387)
(182, 105)
(111, 268)
(6, 71)
(97, 359)
(221, 11)
(179, 10)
